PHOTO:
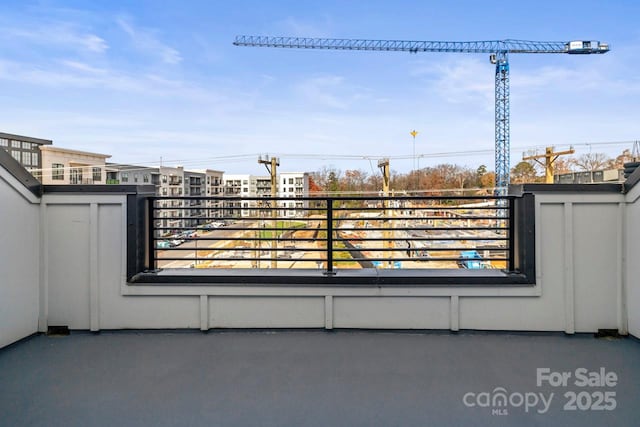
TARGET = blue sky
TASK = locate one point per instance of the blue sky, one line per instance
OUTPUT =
(144, 80)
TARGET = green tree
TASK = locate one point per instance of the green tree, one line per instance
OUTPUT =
(523, 172)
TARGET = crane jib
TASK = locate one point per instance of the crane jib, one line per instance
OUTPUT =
(487, 46)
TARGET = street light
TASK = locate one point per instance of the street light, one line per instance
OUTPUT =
(413, 133)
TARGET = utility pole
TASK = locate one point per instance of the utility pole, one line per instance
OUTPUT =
(272, 167)
(550, 157)
(386, 181)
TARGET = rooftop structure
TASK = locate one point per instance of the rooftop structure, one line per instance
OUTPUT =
(64, 166)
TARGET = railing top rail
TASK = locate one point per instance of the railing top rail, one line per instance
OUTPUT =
(335, 198)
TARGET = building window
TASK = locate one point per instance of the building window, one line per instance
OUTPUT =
(125, 177)
(164, 179)
(26, 146)
(290, 180)
(75, 175)
(4, 142)
(97, 174)
(145, 178)
(57, 171)
(16, 155)
(35, 159)
(164, 191)
(15, 144)
(135, 177)
(26, 159)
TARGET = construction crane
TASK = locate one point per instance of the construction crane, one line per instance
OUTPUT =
(498, 51)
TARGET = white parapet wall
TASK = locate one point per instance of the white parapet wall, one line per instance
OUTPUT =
(632, 260)
(19, 260)
(580, 285)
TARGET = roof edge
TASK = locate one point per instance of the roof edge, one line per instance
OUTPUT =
(18, 171)
(26, 138)
(632, 180)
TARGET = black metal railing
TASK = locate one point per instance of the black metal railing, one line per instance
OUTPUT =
(328, 233)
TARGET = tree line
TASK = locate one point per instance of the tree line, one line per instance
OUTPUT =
(448, 178)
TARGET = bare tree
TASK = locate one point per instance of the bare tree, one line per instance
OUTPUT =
(591, 161)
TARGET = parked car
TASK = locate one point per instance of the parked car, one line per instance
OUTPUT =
(176, 242)
(163, 244)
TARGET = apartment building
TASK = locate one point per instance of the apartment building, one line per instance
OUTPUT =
(62, 166)
(288, 185)
(294, 185)
(26, 150)
(176, 182)
(236, 186)
(132, 175)
(214, 188)
(194, 209)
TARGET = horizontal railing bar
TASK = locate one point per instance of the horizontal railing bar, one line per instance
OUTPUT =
(343, 209)
(391, 218)
(420, 208)
(456, 249)
(286, 240)
(419, 259)
(203, 260)
(224, 210)
(422, 239)
(427, 229)
(327, 198)
(294, 260)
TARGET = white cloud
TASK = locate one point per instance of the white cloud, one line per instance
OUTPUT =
(322, 91)
(296, 27)
(58, 34)
(73, 74)
(146, 41)
(333, 92)
(465, 80)
(94, 43)
(83, 67)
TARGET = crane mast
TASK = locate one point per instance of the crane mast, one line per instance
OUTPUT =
(499, 51)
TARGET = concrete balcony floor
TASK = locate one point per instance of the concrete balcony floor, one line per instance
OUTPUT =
(304, 378)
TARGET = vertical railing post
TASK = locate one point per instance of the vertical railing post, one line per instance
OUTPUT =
(151, 234)
(329, 237)
(511, 233)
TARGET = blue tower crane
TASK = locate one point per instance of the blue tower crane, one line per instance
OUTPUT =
(498, 50)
